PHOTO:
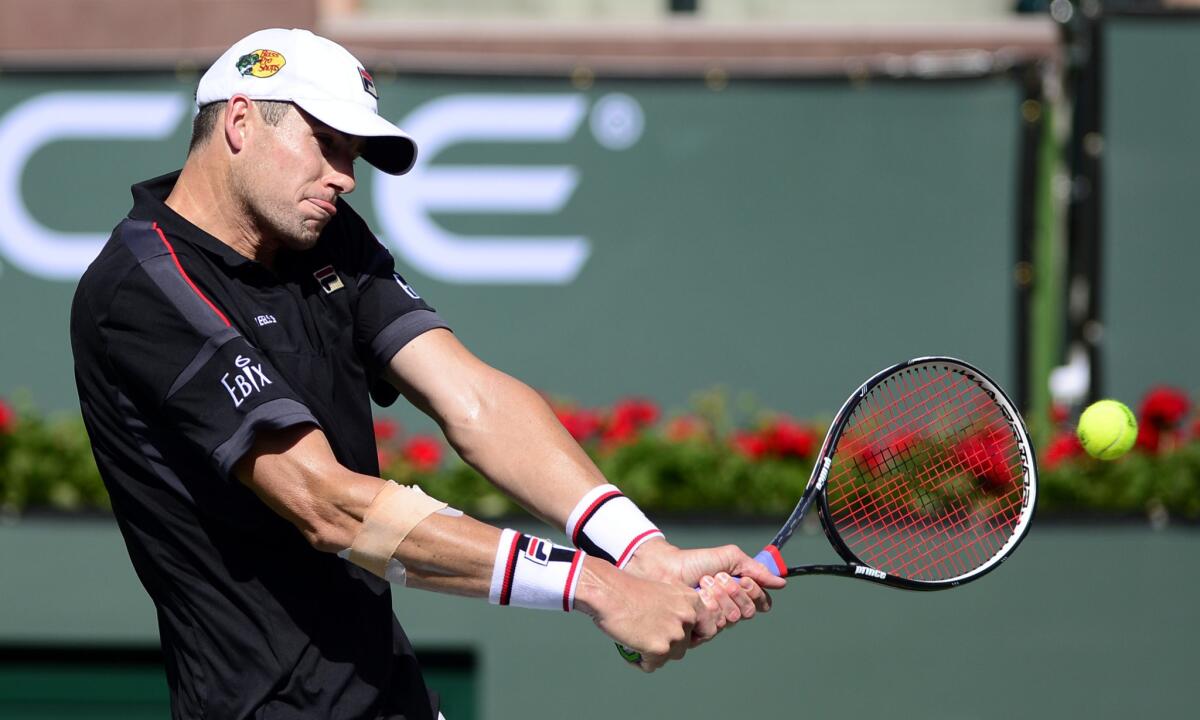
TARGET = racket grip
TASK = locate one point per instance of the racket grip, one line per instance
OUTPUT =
(770, 557)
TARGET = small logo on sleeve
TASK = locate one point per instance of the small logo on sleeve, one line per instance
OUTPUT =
(329, 280)
(260, 63)
(265, 320)
(245, 381)
(368, 83)
(407, 288)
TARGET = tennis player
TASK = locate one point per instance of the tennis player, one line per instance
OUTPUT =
(228, 342)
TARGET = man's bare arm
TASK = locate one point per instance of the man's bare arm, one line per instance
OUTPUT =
(507, 431)
(497, 424)
(295, 472)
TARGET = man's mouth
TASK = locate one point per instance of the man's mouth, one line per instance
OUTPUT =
(325, 206)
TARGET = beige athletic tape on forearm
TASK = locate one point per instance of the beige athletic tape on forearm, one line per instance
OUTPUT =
(390, 517)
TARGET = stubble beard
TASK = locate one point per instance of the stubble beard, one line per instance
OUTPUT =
(278, 222)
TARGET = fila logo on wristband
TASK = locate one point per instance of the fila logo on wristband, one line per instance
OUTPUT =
(534, 573)
(609, 525)
(538, 550)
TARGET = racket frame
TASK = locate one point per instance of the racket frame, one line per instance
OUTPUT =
(815, 489)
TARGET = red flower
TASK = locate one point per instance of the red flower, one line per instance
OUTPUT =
(1164, 407)
(582, 424)
(684, 428)
(749, 444)
(386, 429)
(879, 459)
(989, 458)
(1058, 414)
(628, 418)
(1196, 429)
(1149, 438)
(8, 419)
(636, 412)
(424, 452)
(787, 438)
(618, 432)
(1064, 446)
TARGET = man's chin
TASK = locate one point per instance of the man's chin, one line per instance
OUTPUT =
(306, 239)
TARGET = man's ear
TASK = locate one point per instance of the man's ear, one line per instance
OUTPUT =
(237, 122)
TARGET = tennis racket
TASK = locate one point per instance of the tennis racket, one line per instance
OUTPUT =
(925, 481)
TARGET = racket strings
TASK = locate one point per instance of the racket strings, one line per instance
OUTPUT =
(928, 486)
(906, 513)
(903, 513)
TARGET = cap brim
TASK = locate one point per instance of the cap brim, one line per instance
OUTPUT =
(387, 147)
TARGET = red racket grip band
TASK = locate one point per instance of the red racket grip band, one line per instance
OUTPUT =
(773, 560)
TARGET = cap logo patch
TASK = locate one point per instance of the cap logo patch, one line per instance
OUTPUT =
(368, 83)
(260, 63)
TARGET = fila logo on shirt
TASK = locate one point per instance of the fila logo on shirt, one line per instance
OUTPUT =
(407, 288)
(538, 551)
(245, 381)
(329, 280)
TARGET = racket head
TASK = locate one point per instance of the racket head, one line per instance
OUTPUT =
(932, 480)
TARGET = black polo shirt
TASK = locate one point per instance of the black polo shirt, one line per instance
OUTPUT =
(184, 350)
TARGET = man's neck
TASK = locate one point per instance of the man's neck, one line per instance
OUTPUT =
(204, 198)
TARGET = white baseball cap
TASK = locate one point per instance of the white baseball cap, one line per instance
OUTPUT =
(318, 75)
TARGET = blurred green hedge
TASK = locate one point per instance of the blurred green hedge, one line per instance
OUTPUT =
(703, 462)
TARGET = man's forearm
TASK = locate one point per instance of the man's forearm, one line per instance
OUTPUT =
(516, 441)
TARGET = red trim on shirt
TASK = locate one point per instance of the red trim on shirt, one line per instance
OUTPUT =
(183, 272)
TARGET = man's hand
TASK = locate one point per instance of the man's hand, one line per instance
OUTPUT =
(654, 618)
(731, 584)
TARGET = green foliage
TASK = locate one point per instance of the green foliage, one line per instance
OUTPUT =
(1136, 484)
(47, 462)
(702, 463)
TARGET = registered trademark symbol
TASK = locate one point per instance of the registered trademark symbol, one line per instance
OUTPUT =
(617, 121)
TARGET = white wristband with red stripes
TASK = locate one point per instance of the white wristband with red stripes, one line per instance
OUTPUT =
(534, 573)
(607, 524)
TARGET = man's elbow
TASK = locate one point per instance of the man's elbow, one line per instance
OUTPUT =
(322, 537)
(327, 528)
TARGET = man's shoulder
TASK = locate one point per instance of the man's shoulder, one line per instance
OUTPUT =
(119, 265)
(110, 267)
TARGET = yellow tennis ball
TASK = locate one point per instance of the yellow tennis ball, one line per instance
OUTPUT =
(1107, 429)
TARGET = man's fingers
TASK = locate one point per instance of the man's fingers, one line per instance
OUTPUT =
(740, 605)
(756, 571)
(728, 591)
(746, 593)
(649, 664)
(762, 598)
(710, 620)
